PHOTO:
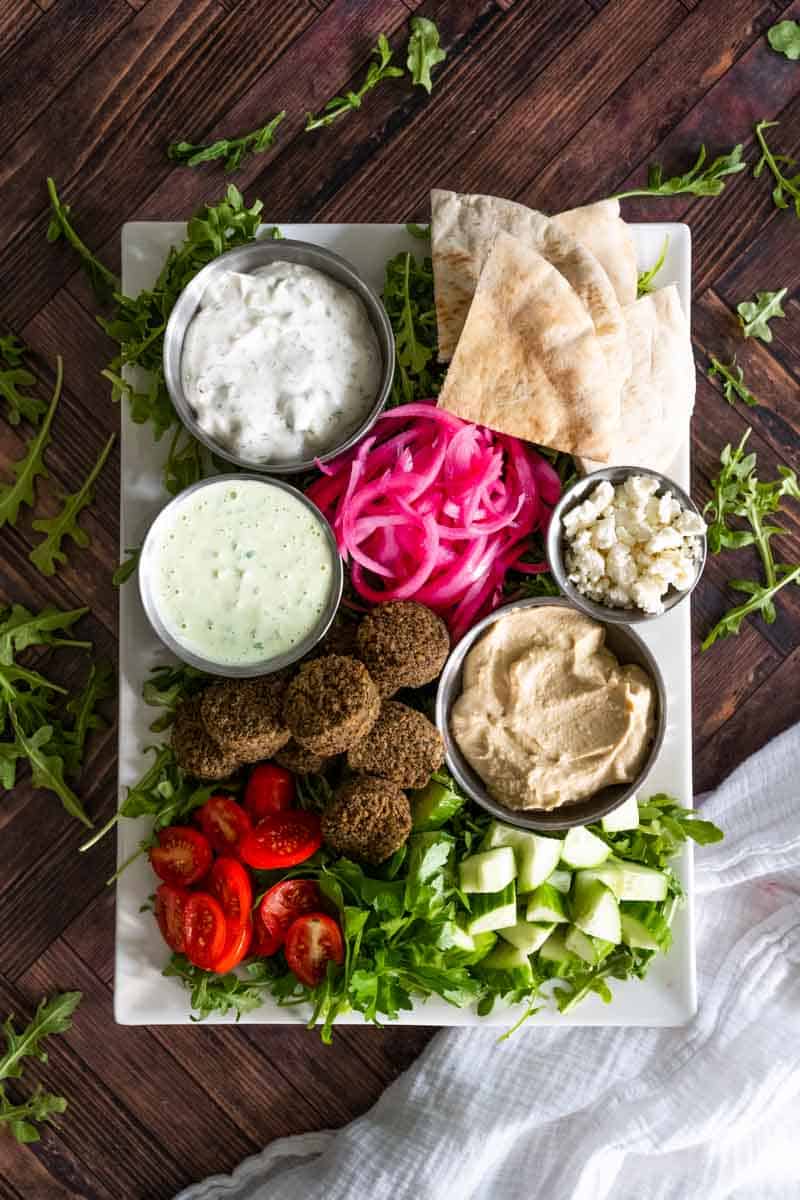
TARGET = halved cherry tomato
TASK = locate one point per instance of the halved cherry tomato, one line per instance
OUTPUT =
(312, 942)
(229, 883)
(224, 822)
(204, 930)
(267, 935)
(169, 906)
(270, 789)
(281, 840)
(182, 855)
(287, 901)
(237, 943)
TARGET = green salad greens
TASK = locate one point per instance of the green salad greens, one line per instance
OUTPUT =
(233, 150)
(52, 1017)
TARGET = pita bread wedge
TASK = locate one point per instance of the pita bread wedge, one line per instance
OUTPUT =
(529, 361)
(463, 230)
(600, 228)
(658, 398)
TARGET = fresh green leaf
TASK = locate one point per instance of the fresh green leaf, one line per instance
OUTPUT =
(644, 283)
(233, 150)
(12, 350)
(408, 298)
(376, 72)
(48, 553)
(104, 282)
(51, 1017)
(222, 994)
(83, 707)
(785, 38)
(127, 568)
(424, 51)
(699, 180)
(13, 377)
(30, 468)
(786, 191)
(47, 769)
(755, 316)
(20, 628)
(423, 232)
(733, 383)
(166, 686)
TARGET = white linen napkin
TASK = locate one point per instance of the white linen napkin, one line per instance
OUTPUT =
(703, 1112)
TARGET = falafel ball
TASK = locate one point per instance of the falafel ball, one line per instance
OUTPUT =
(367, 819)
(295, 758)
(245, 715)
(402, 644)
(402, 746)
(196, 752)
(330, 704)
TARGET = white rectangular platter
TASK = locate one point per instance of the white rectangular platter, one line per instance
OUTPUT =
(142, 996)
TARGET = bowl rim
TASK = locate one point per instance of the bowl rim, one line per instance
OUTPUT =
(540, 821)
(264, 666)
(577, 492)
(246, 258)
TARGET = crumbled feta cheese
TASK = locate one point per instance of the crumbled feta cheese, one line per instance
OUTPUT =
(627, 545)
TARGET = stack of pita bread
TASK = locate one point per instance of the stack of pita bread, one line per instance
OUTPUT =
(546, 340)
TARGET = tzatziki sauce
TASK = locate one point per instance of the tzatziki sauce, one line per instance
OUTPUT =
(280, 365)
(239, 571)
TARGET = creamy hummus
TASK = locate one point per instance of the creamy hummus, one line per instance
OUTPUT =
(547, 716)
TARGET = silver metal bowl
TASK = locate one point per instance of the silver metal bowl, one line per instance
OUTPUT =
(556, 545)
(246, 259)
(627, 646)
(210, 666)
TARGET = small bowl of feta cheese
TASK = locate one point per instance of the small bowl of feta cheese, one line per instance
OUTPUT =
(626, 544)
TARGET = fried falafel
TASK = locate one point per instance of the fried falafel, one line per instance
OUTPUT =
(402, 746)
(245, 715)
(196, 752)
(330, 704)
(367, 819)
(295, 758)
(402, 644)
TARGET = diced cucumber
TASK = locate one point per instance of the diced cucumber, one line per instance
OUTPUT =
(555, 948)
(433, 805)
(537, 858)
(498, 834)
(458, 938)
(527, 936)
(644, 927)
(583, 849)
(496, 910)
(506, 957)
(591, 950)
(609, 874)
(546, 905)
(629, 880)
(636, 934)
(488, 871)
(595, 910)
(561, 880)
(622, 818)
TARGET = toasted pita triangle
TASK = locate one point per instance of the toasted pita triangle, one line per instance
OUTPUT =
(600, 228)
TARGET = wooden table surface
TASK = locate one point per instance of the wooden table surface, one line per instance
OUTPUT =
(552, 102)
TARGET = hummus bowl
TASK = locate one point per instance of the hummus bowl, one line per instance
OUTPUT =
(628, 648)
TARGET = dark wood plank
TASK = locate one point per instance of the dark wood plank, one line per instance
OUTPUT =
(16, 19)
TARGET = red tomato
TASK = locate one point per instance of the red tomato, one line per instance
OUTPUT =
(224, 822)
(169, 906)
(269, 789)
(182, 855)
(281, 840)
(237, 942)
(204, 930)
(267, 936)
(312, 942)
(287, 901)
(229, 883)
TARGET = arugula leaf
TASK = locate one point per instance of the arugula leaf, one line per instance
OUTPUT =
(423, 232)
(167, 686)
(785, 185)
(424, 51)
(233, 150)
(699, 180)
(754, 316)
(48, 553)
(31, 467)
(83, 707)
(733, 383)
(51, 1017)
(785, 38)
(185, 463)
(15, 376)
(104, 282)
(376, 73)
(222, 993)
(47, 770)
(408, 298)
(20, 628)
(12, 350)
(127, 568)
(644, 283)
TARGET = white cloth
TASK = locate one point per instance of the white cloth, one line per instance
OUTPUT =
(703, 1112)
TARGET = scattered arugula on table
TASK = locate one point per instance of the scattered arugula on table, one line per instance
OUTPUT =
(31, 467)
(48, 553)
(699, 180)
(52, 1017)
(738, 492)
(424, 52)
(234, 150)
(786, 191)
(127, 568)
(104, 282)
(644, 283)
(376, 73)
(733, 384)
(99, 686)
(755, 315)
(785, 38)
(13, 378)
(408, 299)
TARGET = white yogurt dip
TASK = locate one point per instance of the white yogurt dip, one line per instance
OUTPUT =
(280, 365)
(239, 571)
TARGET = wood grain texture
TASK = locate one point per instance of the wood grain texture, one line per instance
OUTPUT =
(554, 103)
